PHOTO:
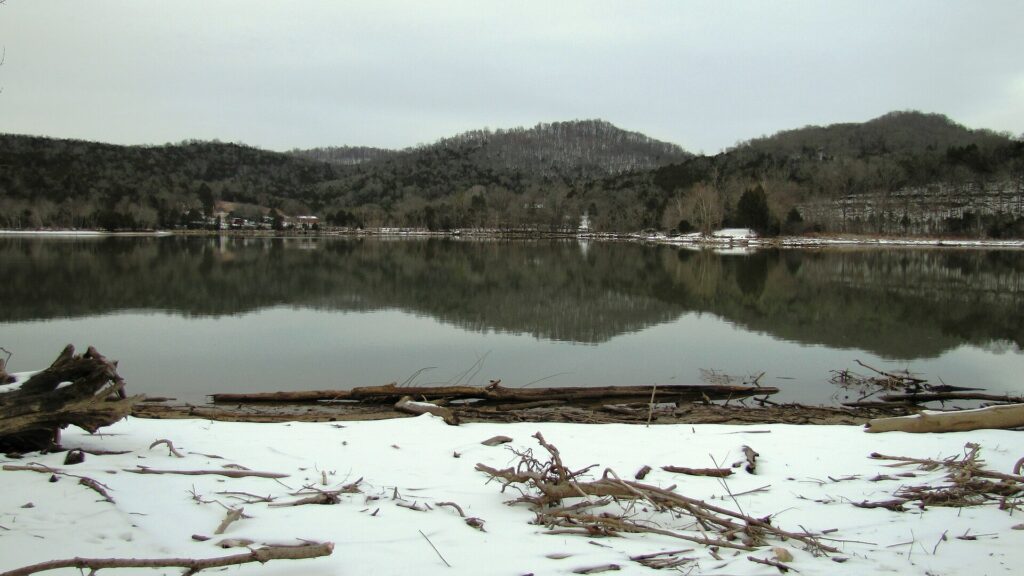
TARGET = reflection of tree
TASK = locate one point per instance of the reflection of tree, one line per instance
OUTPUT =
(900, 304)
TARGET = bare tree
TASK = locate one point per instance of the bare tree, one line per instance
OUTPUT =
(706, 208)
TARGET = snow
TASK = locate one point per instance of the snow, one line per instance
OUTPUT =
(19, 378)
(805, 468)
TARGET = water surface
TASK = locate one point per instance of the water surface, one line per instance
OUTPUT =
(191, 316)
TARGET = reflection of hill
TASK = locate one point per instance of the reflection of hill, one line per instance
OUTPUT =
(548, 290)
(899, 303)
(896, 303)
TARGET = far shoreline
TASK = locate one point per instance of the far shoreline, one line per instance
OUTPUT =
(721, 239)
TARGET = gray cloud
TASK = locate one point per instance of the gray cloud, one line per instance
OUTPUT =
(311, 73)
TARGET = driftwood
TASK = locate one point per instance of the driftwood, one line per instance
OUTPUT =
(714, 472)
(497, 393)
(228, 473)
(995, 417)
(968, 483)
(409, 406)
(89, 483)
(751, 457)
(83, 390)
(916, 397)
(545, 485)
(192, 565)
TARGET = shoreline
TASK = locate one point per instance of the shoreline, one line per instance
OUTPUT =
(418, 496)
(722, 239)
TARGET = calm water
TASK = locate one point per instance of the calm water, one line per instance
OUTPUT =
(191, 316)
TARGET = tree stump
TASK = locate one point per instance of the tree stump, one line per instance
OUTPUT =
(84, 390)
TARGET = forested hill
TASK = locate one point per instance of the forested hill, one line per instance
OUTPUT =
(905, 173)
(895, 133)
(46, 182)
(581, 148)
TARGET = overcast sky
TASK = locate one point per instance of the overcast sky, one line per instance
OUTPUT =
(305, 73)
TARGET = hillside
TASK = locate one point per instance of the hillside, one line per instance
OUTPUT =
(901, 173)
(584, 148)
(904, 173)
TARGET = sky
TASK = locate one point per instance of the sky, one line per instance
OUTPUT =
(308, 73)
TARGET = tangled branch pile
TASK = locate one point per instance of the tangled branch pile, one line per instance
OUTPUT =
(968, 483)
(610, 506)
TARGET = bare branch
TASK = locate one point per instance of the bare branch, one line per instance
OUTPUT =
(192, 565)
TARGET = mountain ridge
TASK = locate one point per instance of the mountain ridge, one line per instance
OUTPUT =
(542, 178)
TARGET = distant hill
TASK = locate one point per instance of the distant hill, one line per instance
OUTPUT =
(578, 148)
(903, 173)
(907, 132)
(345, 155)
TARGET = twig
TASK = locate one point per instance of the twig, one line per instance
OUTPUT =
(428, 542)
(455, 506)
(597, 569)
(656, 554)
(555, 375)
(782, 567)
(228, 473)
(650, 411)
(252, 498)
(193, 565)
(170, 447)
(751, 491)
(939, 541)
(413, 376)
(715, 472)
(232, 515)
(93, 485)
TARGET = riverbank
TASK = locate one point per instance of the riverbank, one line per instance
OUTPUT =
(725, 238)
(397, 491)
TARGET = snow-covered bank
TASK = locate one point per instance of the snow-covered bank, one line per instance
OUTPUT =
(811, 475)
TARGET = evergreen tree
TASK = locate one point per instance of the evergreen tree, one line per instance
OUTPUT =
(752, 210)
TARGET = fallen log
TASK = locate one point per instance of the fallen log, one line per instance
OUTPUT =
(390, 393)
(407, 405)
(993, 417)
(84, 390)
(951, 396)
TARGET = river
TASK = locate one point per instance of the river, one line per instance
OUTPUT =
(188, 316)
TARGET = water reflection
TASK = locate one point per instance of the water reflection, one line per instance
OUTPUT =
(905, 304)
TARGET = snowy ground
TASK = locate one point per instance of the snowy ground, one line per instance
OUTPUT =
(812, 474)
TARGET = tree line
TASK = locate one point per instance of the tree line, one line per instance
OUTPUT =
(856, 177)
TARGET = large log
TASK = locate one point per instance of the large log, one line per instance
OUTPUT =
(918, 397)
(994, 417)
(391, 393)
(84, 390)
